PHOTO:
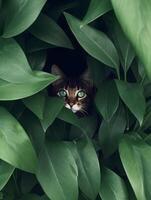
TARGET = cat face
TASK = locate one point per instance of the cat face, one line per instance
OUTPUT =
(76, 92)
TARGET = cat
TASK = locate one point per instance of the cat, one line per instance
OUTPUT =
(77, 92)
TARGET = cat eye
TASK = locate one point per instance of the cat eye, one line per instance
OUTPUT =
(62, 93)
(81, 94)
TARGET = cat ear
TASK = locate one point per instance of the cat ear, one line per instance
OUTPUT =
(86, 75)
(55, 70)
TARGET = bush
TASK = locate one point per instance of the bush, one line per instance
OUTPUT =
(47, 152)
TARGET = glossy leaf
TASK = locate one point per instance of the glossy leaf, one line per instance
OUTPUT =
(53, 106)
(21, 81)
(95, 42)
(96, 9)
(132, 95)
(34, 129)
(86, 124)
(112, 131)
(107, 99)
(112, 186)
(88, 168)
(15, 143)
(37, 60)
(124, 47)
(36, 104)
(21, 15)
(137, 165)
(48, 32)
(97, 70)
(136, 26)
(57, 172)
(6, 170)
(30, 197)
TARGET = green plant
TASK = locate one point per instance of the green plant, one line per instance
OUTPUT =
(47, 152)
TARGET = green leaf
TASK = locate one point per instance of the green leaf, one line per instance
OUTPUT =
(88, 168)
(95, 42)
(15, 144)
(30, 197)
(6, 171)
(135, 154)
(97, 70)
(124, 47)
(21, 81)
(27, 183)
(20, 15)
(57, 172)
(34, 129)
(87, 124)
(34, 45)
(107, 99)
(111, 132)
(112, 186)
(53, 106)
(50, 32)
(96, 9)
(132, 95)
(37, 60)
(136, 26)
(36, 104)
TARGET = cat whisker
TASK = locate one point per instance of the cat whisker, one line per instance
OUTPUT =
(83, 111)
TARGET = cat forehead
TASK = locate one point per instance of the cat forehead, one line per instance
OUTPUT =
(72, 91)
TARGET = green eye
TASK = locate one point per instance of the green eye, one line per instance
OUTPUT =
(81, 94)
(62, 93)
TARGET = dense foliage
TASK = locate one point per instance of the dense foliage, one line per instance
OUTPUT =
(47, 152)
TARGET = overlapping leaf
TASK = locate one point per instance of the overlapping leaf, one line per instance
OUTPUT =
(133, 97)
(112, 186)
(20, 15)
(17, 80)
(107, 99)
(136, 26)
(6, 171)
(57, 172)
(48, 32)
(95, 42)
(88, 168)
(15, 143)
(96, 9)
(134, 153)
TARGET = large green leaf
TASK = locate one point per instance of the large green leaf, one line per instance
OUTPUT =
(50, 32)
(17, 80)
(135, 154)
(97, 70)
(111, 132)
(112, 186)
(6, 171)
(88, 168)
(20, 15)
(136, 26)
(87, 124)
(95, 42)
(30, 197)
(53, 106)
(96, 9)
(132, 95)
(36, 104)
(107, 99)
(125, 50)
(37, 60)
(15, 143)
(57, 172)
(34, 129)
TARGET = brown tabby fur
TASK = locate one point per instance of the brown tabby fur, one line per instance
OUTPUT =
(72, 85)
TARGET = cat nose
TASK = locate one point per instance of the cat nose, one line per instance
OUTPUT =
(71, 104)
